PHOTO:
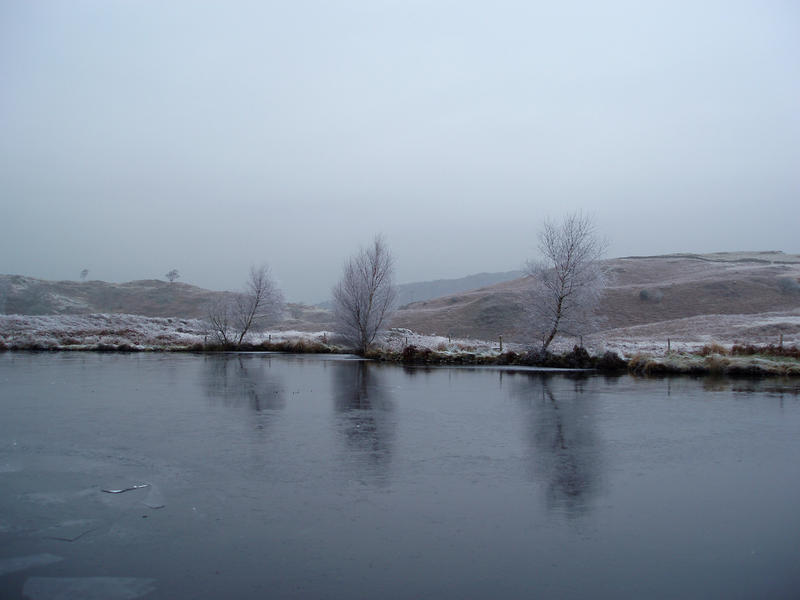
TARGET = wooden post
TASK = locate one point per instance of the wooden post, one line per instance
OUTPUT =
(501, 344)
(581, 338)
(668, 345)
(449, 339)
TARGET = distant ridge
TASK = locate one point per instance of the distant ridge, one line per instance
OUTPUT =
(425, 290)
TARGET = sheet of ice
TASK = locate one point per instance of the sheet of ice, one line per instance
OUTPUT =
(70, 530)
(20, 563)
(87, 588)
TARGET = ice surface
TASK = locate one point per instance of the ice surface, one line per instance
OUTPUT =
(87, 588)
(20, 563)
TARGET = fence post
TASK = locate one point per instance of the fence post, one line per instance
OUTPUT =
(668, 346)
(501, 344)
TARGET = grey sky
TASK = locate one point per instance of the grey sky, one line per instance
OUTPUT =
(137, 136)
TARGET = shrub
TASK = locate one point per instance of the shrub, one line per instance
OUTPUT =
(611, 361)
(536, 358)
(651, 295)
(771, 350)
(641, 364)
(413, 354)
(578, 358)
(716, 364)
(713, 348)
(789, 285)
(507, 358)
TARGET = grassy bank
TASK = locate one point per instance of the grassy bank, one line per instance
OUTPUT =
(132, 333)
(738, 360)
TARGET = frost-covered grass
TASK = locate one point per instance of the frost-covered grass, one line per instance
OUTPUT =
(690, 334)
(395, 340)
(125, 332)
(98, 331)
(137, 333)
(714, 364)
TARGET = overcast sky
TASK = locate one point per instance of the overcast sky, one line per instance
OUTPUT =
(137, 137)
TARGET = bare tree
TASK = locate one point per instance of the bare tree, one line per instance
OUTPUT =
(84, 274)
(261, 302)
(172, 275)
(220, 319)
(569, 279)
(5, 292)
(364, 297)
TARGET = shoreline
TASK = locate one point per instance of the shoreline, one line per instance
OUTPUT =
(760, 362)
(134, 333)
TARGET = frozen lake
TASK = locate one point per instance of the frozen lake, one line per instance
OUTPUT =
(270, 476)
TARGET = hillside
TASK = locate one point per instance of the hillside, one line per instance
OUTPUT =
(660, 292)
(726, 297)
(150, 297)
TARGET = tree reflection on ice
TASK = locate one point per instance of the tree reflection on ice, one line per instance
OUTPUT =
(364, 406)
(244, 379)
(560, 429)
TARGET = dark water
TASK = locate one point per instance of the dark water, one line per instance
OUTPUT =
(301, 477)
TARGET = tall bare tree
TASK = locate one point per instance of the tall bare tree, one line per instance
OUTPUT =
(261, 302)
(568, 278)
(172, 275)
(365, 295)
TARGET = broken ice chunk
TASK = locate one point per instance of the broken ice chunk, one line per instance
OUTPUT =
(137, 486)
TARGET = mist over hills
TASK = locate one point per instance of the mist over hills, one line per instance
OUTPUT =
(646, 296)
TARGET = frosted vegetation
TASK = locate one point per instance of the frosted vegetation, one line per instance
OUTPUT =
(120, 332)
(135, 332)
